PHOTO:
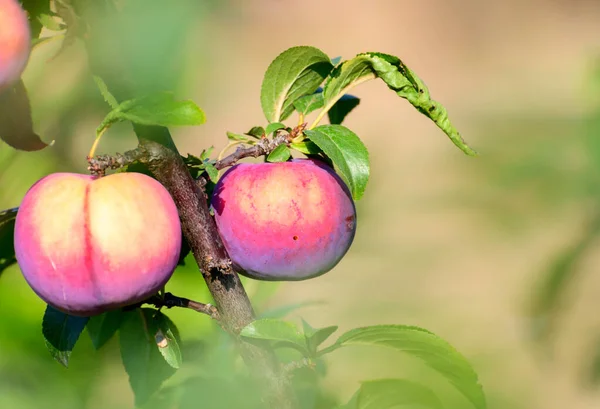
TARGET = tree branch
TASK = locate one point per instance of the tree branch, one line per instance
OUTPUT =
(169, 300)
(261, 148)
(159, 153)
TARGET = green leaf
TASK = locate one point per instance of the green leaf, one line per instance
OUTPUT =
(159, 109)
(61, 332)
(347, 152)
(275, 126)
(315, 337)
(342, 108)
(108, 97)
(16, 124)
(213, 173)
(399, 78)
(7, 233)
(237, 137)
(296, 72)
(146, 367)
(422, 344)
(392, 394)
(309, 103)
(50, 23)
(101, 328)
(306, 147)
(276, 331)
(547, 301)
(167, 340)
(256, 131)
(279, 154)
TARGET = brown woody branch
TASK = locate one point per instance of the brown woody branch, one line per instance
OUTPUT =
(262, 148)
(168, 300)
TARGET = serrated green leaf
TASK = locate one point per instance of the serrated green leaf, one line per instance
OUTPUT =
(7, 233)
(213, 173)
(399, 78)
(257, 132)
(279, 154)
(392, 394)
(167, 340)
(348, 154)
(61, 332)
(237, 137)
(146, 367)
(101, 328)
(277, 332)
(275, 126)
(159, 109)
(342, 108)
(306, 147)
(50, 23)
(309, 103)
(296, 72)
(108, 97)
(420, 343)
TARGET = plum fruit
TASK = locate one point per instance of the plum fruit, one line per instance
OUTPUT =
(87, 245)
(15, 42)
(285, 221)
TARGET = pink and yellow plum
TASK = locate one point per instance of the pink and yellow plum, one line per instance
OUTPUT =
(285, 221)
(15, 42)
(87, 245)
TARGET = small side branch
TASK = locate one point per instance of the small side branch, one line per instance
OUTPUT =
(169, 300)
(262, 148)
(99, 164)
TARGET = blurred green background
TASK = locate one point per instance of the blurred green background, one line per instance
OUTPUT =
(497, 254)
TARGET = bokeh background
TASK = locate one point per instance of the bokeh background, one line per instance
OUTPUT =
(497, 254)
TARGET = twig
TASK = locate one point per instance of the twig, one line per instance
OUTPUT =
(99, 164)
(263, 147)
(169, 300)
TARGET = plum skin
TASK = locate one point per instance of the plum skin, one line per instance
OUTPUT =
(15, 42)
(87, 245)
(286, 221)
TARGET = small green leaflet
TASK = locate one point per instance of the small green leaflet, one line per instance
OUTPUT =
(399, 78)
(275, 126)
(392, 394)
(159, 109)
(144, 363)
(316, 336)
(7, 232)
(348, 154)
(306, 147)
(256, 131)
(50, 23)
(61, 332)
(232, 136)
(279, 154)
(420, 343)
(278, 331)
(342, 108)
(296, 72)
(309, 103)
(102, 327)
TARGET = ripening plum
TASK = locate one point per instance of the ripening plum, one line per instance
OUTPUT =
(284, 221)
(15, 42)
(87, 245)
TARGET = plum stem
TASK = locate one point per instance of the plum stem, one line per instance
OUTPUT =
(169, 300)
(98, 165)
